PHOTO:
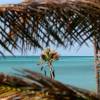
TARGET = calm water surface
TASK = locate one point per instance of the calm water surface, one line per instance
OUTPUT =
(77, 71)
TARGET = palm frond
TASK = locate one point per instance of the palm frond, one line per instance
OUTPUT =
(38, 24)
(31, 85)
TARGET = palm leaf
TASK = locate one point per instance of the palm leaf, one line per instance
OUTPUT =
(39, 24)
(31, 85)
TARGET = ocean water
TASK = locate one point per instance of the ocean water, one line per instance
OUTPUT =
(77, 71)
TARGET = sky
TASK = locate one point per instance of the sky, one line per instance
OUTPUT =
(74, 51)
(9, 1)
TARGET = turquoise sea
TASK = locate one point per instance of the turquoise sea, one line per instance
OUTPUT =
(77, 71)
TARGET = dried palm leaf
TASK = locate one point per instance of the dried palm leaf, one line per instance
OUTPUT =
(37, 24)
(30, 85)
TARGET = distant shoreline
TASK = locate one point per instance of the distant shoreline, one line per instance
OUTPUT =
(38, 56)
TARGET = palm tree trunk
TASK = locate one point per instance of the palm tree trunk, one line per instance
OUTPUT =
(52, 74)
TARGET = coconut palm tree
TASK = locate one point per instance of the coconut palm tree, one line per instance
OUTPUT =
(48, 56)
(38, 24)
